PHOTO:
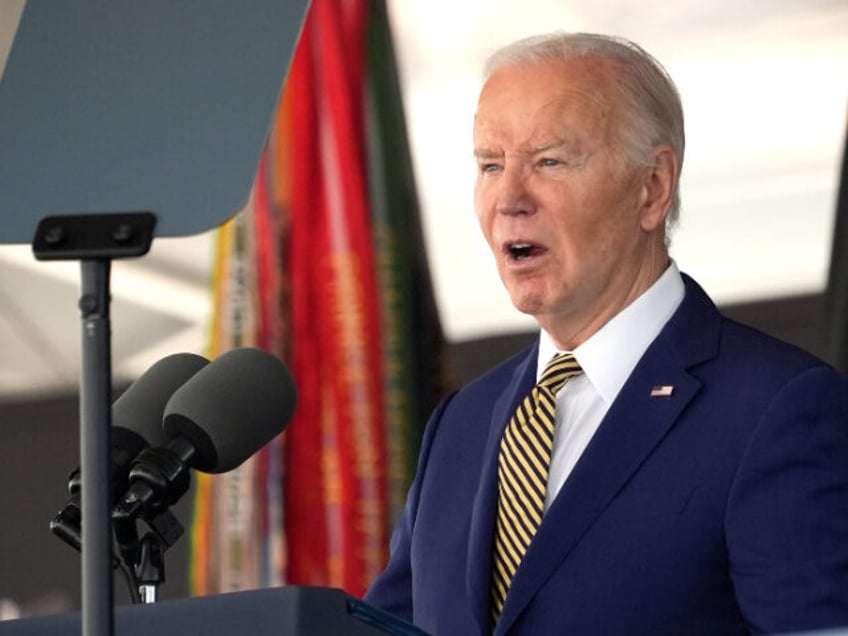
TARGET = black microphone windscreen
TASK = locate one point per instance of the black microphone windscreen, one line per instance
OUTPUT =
(137, 414)
(232, 408)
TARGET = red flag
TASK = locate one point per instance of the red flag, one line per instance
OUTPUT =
(335, 511)
(362, 341)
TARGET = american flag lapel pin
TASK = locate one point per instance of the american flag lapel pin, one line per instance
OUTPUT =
(662, 390)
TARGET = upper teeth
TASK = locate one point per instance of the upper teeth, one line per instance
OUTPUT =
(520, 250)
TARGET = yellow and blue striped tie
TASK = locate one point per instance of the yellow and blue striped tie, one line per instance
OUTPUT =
(523, 463)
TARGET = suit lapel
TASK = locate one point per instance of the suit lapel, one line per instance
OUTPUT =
(485, 501)
(634, 425)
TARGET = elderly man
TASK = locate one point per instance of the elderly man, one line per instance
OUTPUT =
(668, 471)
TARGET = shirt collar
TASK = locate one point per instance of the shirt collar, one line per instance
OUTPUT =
(609, 356)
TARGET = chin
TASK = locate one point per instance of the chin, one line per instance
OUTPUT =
(526, 305)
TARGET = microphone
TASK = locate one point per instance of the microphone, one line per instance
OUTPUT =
(136, 424)
(214, 422)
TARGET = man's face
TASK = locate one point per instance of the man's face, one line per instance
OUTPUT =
(556, 200)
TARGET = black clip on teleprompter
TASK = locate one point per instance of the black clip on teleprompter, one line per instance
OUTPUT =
(94, 236)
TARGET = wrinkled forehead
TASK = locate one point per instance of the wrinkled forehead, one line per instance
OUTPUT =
(528, 102)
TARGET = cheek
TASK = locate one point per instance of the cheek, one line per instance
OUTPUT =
(480, 193)
(484, 213)
(604, 216)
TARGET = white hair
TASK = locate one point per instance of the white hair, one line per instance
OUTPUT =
(652, 109)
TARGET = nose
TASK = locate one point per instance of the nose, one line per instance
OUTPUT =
(513, 195)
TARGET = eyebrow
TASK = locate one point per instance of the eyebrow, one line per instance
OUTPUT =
(486, 153)
(551, 145)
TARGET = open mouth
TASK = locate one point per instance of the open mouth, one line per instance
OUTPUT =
(523, 251)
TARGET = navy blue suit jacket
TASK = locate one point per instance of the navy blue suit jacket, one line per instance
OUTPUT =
(720, 509)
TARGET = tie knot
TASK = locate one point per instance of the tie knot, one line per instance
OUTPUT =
(558, 371)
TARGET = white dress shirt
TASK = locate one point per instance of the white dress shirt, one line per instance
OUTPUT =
(607, 359)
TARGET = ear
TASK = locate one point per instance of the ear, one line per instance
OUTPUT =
(658, 188)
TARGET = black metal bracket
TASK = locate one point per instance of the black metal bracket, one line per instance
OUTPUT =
(94, 236)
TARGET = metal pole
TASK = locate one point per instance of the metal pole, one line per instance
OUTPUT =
(95, 428)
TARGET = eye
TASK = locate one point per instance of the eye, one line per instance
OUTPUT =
(489, 167)
(549, 162)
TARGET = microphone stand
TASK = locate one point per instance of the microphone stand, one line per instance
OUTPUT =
(95, 240)
(157, 479)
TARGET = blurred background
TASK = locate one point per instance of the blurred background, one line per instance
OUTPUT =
(765, 97)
